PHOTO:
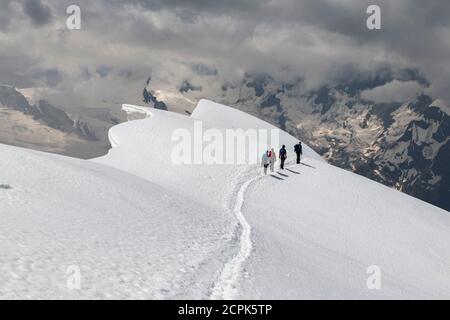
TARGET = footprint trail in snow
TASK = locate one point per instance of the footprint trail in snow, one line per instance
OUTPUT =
(226, 287)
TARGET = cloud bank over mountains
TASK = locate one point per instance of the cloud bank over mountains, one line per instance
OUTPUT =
(208, 43)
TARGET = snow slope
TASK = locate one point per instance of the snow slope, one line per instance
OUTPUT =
(130, 237)
(140, 226)
(317, 228)
(306, 250)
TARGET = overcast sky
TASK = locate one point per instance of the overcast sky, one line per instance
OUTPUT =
(121, 43)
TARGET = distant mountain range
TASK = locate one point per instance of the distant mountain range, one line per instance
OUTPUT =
(46, 113)
(402, 145)
(43, 126)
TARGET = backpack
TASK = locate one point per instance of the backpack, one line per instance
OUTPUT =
(283, 153)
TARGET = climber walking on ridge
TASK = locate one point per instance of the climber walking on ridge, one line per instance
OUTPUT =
(298, 150)
(272, 158)
(268, 160)
(282, 155)
(265, 161)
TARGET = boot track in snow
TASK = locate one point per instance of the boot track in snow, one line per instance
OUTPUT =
(226, 286)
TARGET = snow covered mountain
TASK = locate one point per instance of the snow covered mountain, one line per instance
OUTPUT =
(402, 145)
(45, 127)
(133, 224)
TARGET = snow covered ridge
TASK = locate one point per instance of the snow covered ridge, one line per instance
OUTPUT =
(237, 138)
(376, 140)
(135, 225)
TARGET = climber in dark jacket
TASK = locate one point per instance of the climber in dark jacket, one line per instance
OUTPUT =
(282, 155)
(298, 151)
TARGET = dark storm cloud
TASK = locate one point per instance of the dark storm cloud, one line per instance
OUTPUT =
(320, 41)
(5, 14)
(199, 6)
(103, 71)
(433, 13)
(39, 12)
(204, 70)
(13, 66)
(50, 77)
